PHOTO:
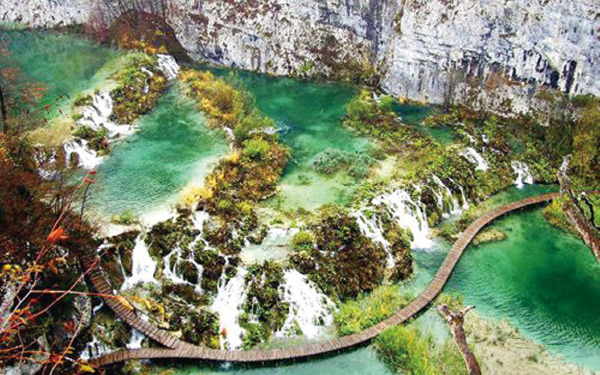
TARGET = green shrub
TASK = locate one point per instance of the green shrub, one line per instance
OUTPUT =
(302, 241)
(409, 351)
(369, 309)
(256, 148)
(81, 101)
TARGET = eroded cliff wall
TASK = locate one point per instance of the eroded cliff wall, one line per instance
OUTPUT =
(421, 49)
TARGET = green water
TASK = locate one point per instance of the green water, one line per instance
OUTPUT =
(310, 116)
(63, 64)
(146, 172)
(361, 361)
(545, 282)
(414, 115)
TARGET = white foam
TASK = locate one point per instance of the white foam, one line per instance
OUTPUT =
(309, 308)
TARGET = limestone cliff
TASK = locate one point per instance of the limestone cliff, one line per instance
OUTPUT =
(421, 49)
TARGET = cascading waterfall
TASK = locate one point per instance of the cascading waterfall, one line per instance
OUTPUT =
(441, 197)
(474, 157)
(94, 348)
(98, 115)
(136, 339)
(168, 65)
(409, 214)
(143, 266)
(231, 295)
(309, 308)
(87, 158)
(523, 175)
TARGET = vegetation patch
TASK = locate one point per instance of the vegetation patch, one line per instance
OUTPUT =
(251, 172)
(139, 86)
(408, 350)
(341, 261)
(332, 160)
(264, 311)
(367, 310)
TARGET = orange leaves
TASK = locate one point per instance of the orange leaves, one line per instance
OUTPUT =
(57, 235)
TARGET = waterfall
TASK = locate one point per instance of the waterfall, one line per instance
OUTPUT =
(228, 306)
(309, 308)
(440, 197)
(136, 339)
(474, 157)
(409, 214)
(143, 266)
(465, 204)
(372, 230)
(98, 115)
(523, 175)
(168, 66)
(88, 158)
(94, 349)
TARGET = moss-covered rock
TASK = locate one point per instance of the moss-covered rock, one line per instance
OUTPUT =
(264, 310)
(344, 262)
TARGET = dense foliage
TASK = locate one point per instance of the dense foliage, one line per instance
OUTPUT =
(264, 310)
(137, 91)
(342, 262)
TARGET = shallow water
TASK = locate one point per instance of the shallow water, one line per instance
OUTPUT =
(545, 282)
(146, 172)
(63, 64)
(310, 116)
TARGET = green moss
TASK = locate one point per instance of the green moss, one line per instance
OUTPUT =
(303, 241)
(137, 92)
(97, 139)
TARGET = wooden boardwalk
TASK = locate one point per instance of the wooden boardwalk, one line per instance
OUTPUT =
(175, 348)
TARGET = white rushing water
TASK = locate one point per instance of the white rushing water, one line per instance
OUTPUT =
(94, 348)
(523, 175)
(87, 158)
(98, 115)
(474, 157)
(309, 308)
(227, 305)
(136, 339)
(168, 65)
(442, 195)
(409, 214)
(143, 266)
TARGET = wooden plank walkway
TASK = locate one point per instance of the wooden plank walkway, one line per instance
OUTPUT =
(175, 348)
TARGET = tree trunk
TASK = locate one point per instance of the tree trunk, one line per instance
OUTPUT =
(456, 321)
(3, 111)
(575, 214)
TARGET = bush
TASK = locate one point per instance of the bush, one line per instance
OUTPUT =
(409, 351)
(370, 309)
(256, 148)
(332, 160)
(303, 241)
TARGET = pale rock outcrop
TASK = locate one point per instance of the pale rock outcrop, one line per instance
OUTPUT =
(422, 49)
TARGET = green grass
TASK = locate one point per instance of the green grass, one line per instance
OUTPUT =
(370, 309)
(409, 351)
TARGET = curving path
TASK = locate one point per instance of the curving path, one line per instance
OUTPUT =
(180, 349)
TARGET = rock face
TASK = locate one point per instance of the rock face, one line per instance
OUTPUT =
(422, 49)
